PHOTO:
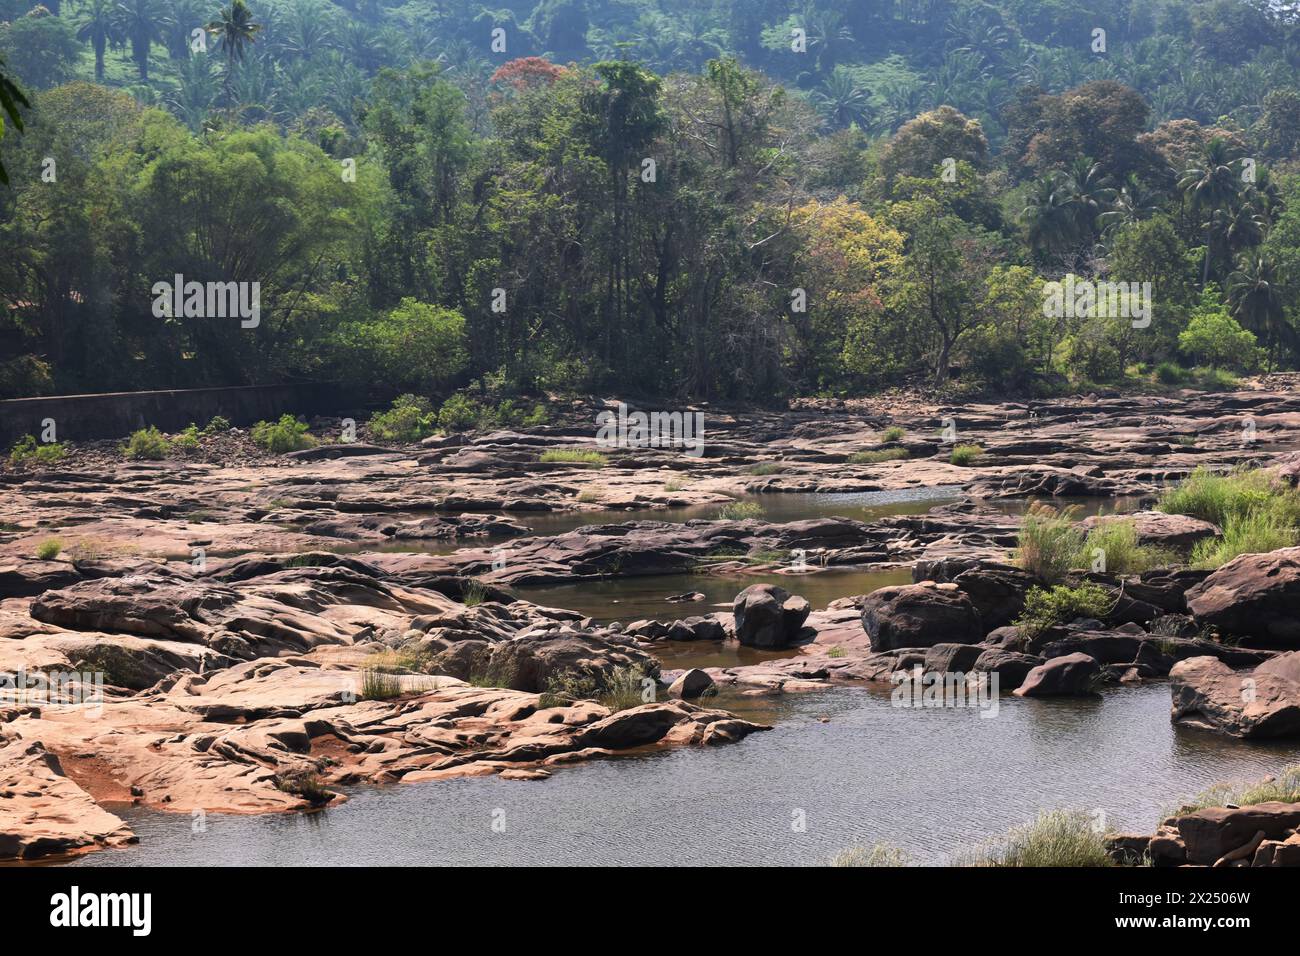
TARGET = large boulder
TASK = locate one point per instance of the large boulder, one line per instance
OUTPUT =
(529, 663)
(768, 617)
(1253, 596)
(951, 658)
(1211, 833)
(920, 615)
(693, 683)
(1011, 667)
(997, 590)
(1073, 675)
(1179, 532)
(1258, 703)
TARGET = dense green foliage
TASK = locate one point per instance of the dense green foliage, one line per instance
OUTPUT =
(1048, 607)
(670, 196)
(287, 434)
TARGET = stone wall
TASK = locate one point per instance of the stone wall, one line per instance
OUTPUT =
(117, 414)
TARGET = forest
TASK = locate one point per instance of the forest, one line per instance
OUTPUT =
(736, 199)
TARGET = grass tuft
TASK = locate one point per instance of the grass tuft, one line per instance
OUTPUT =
(1117, 540)
(1256, 510)
(881, 854)
(1284, 788)
(49, 549)
(740, 511)
(966, 454)
(876, 456)
(1055, 838)
(574, 456)
(379, 685)
(1049, 541)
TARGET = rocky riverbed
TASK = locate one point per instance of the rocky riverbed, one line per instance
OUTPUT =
(269, 633)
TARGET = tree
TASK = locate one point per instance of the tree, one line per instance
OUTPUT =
(139, 22)
(1256, 300)
(942, 275)
(41, 48)
(235, 32)
(98, 27)
(415, 347)
(847, 257)
(11, 99)
(1210, 184)
(1102, 120)
(841, 100)
(922, 144)
(1214, 338)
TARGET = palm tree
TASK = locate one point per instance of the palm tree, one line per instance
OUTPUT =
(195, 93)
(139, 23)
(178, 24)
(235, 32)
(97, 27)
(1211, 183)
(306, 29)
(1257, 302)
(1048, 219)
(1132, 203)
(841, 100)
(1086, 191)
(11, 98)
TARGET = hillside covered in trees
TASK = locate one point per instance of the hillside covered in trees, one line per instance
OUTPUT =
(745, 199)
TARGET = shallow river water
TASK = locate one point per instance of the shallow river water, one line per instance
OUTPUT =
(930, 781)
(856, 768)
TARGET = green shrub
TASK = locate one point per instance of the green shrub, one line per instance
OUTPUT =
(379, 685)
(892, 433)
(410, 418)
(187, 440)
(877, 456)
(766, 468)
(965, 454)
(574, 456)
(28, 449)
(1050, 542)
(538, 416)
(288, 434)
(458, 413)
(1171, 373)
(148, 444)
(740, 511)
(49, 549)
(1055, 838)
(1046, 608)
(215, 426)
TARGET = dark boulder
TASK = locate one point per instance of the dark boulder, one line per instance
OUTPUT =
(920, 615)
(768, 617)
(1073, 675)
